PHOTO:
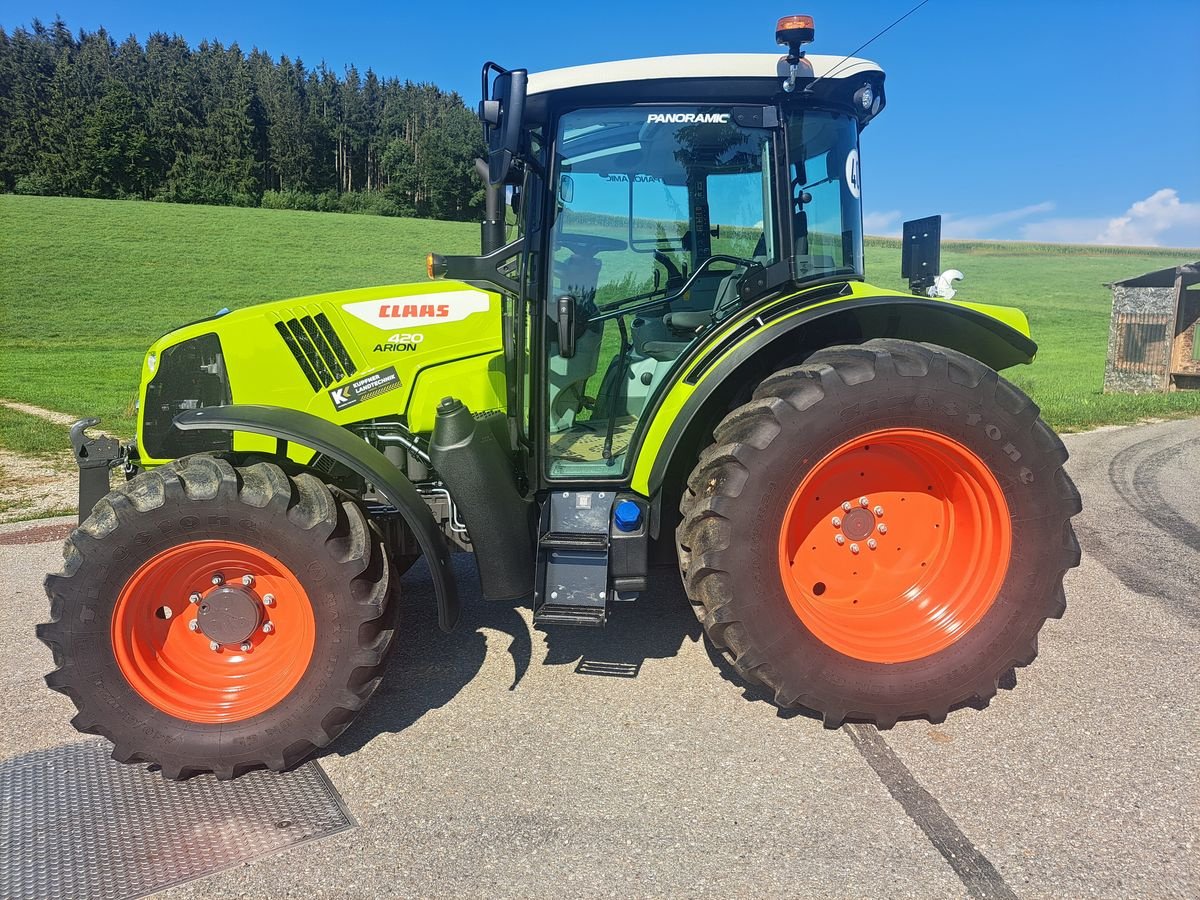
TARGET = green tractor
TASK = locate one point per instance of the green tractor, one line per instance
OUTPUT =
(665, 353)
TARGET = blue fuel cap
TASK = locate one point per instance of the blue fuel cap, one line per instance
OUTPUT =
(628, 515)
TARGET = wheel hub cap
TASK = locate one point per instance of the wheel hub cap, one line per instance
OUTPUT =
(858, 524)
(230, 615)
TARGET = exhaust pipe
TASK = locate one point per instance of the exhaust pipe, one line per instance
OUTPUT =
(491, 232)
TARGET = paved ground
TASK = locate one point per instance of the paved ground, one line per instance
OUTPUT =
(493, 765)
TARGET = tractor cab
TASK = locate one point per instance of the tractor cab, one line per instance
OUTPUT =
(648, 202)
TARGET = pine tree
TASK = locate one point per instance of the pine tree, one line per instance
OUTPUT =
(83, 115)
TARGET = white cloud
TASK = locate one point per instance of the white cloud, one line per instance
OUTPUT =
(1147, 220)
(1162, 219)
(886, 224)
(962, 227)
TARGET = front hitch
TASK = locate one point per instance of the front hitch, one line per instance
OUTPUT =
(94, 456)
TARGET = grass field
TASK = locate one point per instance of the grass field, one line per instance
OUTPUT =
(86, 285)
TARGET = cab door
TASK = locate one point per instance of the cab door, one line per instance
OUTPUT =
(655, 214)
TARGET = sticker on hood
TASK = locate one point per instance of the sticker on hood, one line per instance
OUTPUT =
(424, 309)
(366, 388)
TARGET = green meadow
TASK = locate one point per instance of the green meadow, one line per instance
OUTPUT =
(86, 285)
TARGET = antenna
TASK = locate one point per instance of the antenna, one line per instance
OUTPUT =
(850, 55)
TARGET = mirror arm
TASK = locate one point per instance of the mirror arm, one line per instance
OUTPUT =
(480, 269)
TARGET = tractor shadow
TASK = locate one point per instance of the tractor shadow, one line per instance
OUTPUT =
(655, 626)
(428, 668)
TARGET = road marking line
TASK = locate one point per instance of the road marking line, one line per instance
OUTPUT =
(973, 869)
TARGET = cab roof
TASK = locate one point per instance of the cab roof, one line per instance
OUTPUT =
(694, 65)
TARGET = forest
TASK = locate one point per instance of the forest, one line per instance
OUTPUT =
(83, 115)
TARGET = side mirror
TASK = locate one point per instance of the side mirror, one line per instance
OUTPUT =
(566, 326)
(501, 115)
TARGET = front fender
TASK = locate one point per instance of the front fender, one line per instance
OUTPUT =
(358, 456)
(803, 323)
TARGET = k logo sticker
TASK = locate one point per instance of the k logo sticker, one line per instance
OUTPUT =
(364, 388)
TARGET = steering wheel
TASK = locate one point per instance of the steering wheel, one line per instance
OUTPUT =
(589, 245)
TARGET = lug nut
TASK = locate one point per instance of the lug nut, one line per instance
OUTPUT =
(268, 599)
(847, 506)
(837, 521)
(194, 625)
(214, 646)
(872, 544)
(882, 528)
(218, 579)
(839, 539)
(268, 627)
(245, 646)
(864, 502)
(248, 580)
(194, 597)
(854, 548)
(879, 510)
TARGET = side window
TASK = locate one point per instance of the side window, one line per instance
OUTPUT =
(826, 191)
(736, 212)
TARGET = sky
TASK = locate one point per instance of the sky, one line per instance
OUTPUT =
(1058, 120)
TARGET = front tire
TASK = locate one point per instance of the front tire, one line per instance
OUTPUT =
(879, 533)
(218, 619)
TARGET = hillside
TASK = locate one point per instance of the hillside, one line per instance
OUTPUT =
(87, 284)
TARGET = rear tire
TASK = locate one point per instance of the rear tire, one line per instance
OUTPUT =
(139, 672)
(929, 617)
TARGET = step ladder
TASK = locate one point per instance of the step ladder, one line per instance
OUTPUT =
(572, 559)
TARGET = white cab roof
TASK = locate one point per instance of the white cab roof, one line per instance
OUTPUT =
(695, 65)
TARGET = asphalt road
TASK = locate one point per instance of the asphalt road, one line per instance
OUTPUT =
(499, 761)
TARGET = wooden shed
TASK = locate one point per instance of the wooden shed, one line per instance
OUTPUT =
(1152, 340)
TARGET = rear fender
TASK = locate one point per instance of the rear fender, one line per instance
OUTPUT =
(784, 333)
(358, 456)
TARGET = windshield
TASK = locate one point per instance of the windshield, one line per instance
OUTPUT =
(646, 195)
(826, 193)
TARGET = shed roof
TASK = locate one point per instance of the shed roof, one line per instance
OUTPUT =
(1163, 277)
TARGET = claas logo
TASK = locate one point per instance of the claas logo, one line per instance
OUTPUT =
(434, 308)
(409, 310)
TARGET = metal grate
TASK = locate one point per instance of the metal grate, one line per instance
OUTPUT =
(1142, 344)
(317, 348)
(77, 824)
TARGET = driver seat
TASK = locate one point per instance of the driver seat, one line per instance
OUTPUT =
(666, 338)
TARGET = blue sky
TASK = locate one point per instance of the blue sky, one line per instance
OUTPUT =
(1060, 120)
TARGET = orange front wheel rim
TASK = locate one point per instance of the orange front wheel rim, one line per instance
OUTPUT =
(895, 545)
(213, 631)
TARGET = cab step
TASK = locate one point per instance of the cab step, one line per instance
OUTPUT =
(591, 549)
(560, 614)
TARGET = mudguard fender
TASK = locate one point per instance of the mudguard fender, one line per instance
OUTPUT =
(358, 456)
(862, 313)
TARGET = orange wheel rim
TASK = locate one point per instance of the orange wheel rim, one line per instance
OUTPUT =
(895, 545)
(213, 631)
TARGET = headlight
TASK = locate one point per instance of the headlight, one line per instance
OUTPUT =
(187, 375)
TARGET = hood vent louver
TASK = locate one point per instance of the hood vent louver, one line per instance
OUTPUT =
(318, 350)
